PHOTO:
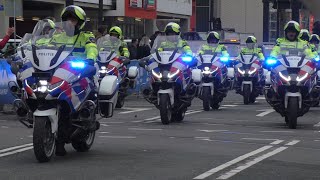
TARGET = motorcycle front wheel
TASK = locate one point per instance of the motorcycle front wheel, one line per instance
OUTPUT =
(292, 112)
(165, 109)
(43, 139)
(206, 98)
(246, 94)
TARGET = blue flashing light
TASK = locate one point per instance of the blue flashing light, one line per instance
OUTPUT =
(224, 58)
(78, 64)
(317, 58)
(271, 61)
(186, 58)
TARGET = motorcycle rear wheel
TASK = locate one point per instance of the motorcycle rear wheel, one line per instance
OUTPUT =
(43, 139)
(83, 145)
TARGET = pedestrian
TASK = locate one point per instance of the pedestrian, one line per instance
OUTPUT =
(101, 32)
(153, 37)
(6, 37)
(133, 48)
(9, 51)
(144, 48)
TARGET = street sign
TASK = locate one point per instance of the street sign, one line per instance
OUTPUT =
(13, 8)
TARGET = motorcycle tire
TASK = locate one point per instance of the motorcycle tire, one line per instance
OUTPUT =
(120, 102)
(43, 139)
(206, 98)
(165, 109)
(292, 112)
(246, 94)
(83, 145)
(179, 116)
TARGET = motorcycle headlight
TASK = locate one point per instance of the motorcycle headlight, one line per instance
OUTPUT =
(241, 71)
(55, 86)
(171, 75)
(157, 75)
(252, 71)
(206, 70)
(301, 78)
(286, 78)
(42, 89)
(103, 70)
(43, 82)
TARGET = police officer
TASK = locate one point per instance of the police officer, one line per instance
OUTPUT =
(213, 45)
(251, 48)
(84, 48)
(291, 40)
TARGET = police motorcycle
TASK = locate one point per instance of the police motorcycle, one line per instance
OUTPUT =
(211, 76)
(170, 88)
(56, 87)
(249, 77)
(113, 69)
(293, 87)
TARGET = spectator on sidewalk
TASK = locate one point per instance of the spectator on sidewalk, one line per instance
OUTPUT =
(6, 37)
(144, 47)
(133, 46)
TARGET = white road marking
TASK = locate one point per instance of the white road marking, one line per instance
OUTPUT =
(119, 137)
(16, 151)
(317, 125)
(276, 131)
(105, 125)
(4, 127)
(133, 110)
(148, 119)
(251, 163)
(230, 105)
(201, 137)
(277, 142)
(266, 112)
(261, 97)
(232, 162)
(293, 142)
(3, 120)
(116, 122)
(260, 139)
(15, 147)
(103, 132)
(142, 129)
(209, 131)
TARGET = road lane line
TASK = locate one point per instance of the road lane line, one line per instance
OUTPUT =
(103, 132)
(119, 137)
(317, 125)
(16, 151)
(230, 105)
(148, 119)
(260, 139)
(293, 142)
(277, 142)
(209, 131)
(142, 129)
(232, 162)
(276, 131)
(266, 112)
(157, 118)
(261, 97)
(15, 147)
(105, 125)
(133, 110)
(251, 163)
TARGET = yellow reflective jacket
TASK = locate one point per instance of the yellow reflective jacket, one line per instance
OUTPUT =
(84, 44)
(299, 44)
(257, 51)
(207, 49)
(181, 45)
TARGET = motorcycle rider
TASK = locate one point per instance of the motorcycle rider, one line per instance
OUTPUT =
(213, 46)
(304, 35)
(291, 40)
(84, 47)
(123, 52)
(314, 43)
(251, 48)
(47, 30)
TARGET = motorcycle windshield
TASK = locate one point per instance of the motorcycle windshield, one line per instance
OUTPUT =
(247, 58)
(167, 49)
(293, 57)
(204, 52)
(23, 45)
(50, 44)
(108, 47)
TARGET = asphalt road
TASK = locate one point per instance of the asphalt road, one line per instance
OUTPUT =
(236, 142)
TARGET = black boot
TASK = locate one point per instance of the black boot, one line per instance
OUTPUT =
(60, 150)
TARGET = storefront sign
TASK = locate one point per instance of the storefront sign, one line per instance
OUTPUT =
(136, 3)
(150, 4)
